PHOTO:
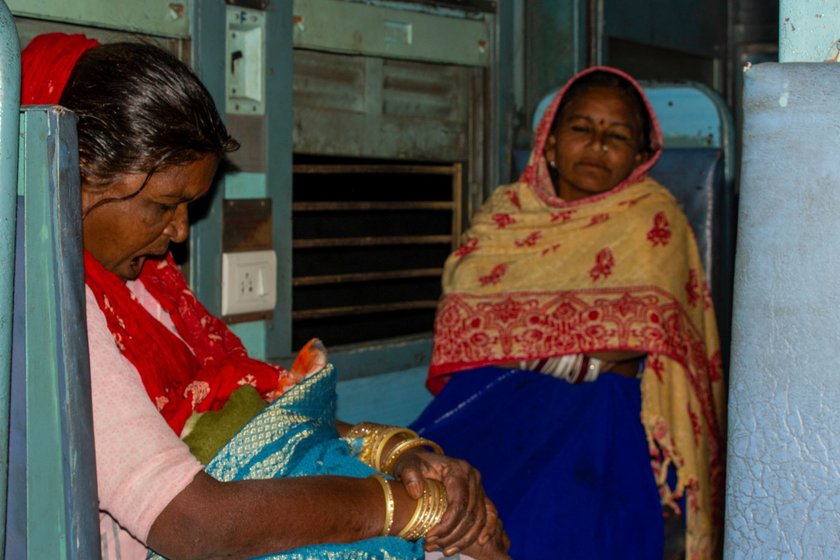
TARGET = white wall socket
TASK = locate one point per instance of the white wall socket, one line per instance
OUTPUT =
(249, 282)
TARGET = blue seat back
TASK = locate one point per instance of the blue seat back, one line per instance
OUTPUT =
(52, 507)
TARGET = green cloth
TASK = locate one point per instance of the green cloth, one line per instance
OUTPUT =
(214, 429)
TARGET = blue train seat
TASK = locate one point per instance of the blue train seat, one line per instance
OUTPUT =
(52, 507)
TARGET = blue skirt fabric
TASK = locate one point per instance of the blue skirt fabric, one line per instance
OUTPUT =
(566, 465)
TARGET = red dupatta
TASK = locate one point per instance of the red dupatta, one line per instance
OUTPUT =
(194, 373)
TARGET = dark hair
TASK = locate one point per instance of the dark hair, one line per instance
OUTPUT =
(140, 109)
(602, 79)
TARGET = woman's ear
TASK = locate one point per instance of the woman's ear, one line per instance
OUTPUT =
(549, 150)
(642, 156)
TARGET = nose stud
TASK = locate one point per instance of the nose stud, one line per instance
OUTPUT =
(604, 148)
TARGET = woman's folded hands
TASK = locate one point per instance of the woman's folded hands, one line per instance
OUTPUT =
(471, 524)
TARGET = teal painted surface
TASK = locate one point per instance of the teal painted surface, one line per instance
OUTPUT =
(208, 29)
(381, 358)
(9, 105)
(244, 185)
(278, 158)
(555, 35)
(694, 26)
(46, 529)
(62, 517)
(396, 398)
(165, 18)
(783, 496)
(252, 335)
(808, 31)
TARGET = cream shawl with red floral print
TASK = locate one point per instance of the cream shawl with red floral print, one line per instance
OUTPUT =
(537, 277)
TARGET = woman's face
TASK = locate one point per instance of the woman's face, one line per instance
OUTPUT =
(122, 234)
(595, 144)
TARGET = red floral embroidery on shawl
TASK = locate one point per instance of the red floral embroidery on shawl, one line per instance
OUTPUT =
(716, 366)
(604, 262)
(598, 219)
(513, 196)
(551, 249)
(691, 288)
(495, 275)
(695, 425)
(657, 367)
(562, 216)
(467, 248)
(660, 233)
(529, 241)
(503, 220)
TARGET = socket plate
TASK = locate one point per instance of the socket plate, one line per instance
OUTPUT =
(249, 282)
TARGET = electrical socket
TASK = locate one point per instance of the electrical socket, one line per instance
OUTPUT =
(249, 282)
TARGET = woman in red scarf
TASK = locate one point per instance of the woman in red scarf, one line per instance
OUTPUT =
(150, 141)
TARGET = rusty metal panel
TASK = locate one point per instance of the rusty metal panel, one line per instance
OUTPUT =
(29, 28)
(358, 28)
(250, 132)
(331, 82)
(246, 225)
(162, 18)
(379, 108)
(412, 89)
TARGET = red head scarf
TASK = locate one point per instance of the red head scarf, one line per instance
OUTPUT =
(46, 65)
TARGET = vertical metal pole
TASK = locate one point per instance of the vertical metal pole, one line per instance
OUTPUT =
(9, 107)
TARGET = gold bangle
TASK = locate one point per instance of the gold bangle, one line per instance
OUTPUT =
(405, 445)
(381, 440)
(367, 440)
(389, 504)
(428, 513)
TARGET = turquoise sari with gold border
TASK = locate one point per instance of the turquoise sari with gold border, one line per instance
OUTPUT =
(296, 436)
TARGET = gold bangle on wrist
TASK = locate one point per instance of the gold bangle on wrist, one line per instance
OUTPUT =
(382, 439)
(428, 513)
(389, 504)
(405, 445)
(367, 441)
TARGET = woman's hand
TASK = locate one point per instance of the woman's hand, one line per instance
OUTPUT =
(468, 520)
(497, 546)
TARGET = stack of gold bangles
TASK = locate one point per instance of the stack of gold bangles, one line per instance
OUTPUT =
(428, 513)
(368, 442)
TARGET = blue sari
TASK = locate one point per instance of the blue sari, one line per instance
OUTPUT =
(296, 436)
(566, 465)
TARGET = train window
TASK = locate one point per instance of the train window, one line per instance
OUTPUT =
(369, 242)
(386, 154)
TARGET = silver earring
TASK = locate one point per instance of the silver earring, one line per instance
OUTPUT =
(552, 164)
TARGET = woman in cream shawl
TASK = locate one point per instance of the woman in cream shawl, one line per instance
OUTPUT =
(585, 265)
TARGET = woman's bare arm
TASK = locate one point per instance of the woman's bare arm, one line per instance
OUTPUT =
(212, 519)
